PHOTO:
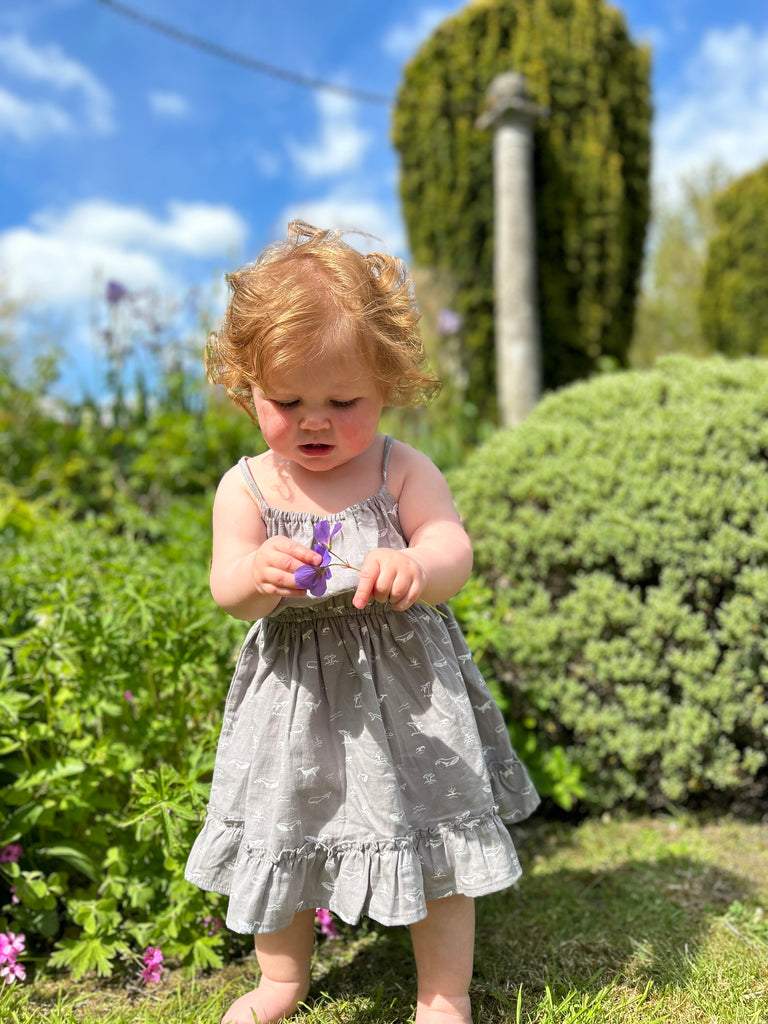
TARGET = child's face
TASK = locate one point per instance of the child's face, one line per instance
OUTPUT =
(323, 414)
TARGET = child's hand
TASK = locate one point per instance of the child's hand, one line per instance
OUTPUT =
(390, 575)
(275, 563)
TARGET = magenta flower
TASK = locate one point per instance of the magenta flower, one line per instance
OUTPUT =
(10, 854)
(215, 924)
(327, 924)
(10, 947)
(153, 960)
(13, 971)
(314, 577)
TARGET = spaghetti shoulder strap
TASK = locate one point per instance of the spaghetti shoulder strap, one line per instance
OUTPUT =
(385, 459)
(251, 483)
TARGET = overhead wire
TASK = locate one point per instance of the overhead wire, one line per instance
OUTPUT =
(244, 60)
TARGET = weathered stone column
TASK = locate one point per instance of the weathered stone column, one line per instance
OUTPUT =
(511, 115)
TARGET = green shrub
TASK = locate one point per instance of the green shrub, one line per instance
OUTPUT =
(734, 295)
(113, 665)
(621, 560)
(130, 468)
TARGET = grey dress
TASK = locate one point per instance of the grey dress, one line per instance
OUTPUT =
(363, 765)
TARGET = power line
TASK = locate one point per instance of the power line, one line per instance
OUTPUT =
(234, 57)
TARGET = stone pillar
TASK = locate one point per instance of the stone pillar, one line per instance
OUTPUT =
(511, 115)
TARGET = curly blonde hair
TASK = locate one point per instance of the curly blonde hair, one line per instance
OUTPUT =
(311, 294)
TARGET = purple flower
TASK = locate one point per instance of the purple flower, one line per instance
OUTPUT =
(116, 292)
(314, 577)
(153, 960)
(448, 322)
(323, 534)
(10, 854)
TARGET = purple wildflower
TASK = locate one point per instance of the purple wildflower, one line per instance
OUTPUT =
(323, 534)
(116, 292)
(11, 853)
(448, 322)
(314, 577)
(153, 960)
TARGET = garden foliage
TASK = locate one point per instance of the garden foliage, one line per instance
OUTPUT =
(734, 296)
(620, 596)
(114, 664)
(591, 163)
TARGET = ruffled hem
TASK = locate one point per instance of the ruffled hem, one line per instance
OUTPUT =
(388, 881)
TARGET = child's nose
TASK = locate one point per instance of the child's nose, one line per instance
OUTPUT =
(314, 419)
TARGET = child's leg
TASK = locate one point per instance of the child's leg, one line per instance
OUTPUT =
(444, 947)
(284, 958)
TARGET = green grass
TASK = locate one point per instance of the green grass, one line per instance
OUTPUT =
(614, 921)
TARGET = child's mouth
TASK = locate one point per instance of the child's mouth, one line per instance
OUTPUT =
(316, 449)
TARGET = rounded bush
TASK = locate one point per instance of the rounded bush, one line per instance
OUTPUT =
(620, 595)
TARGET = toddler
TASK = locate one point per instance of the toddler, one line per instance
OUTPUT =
(363, 766)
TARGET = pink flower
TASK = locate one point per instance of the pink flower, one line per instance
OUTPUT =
(10, 854)
(153, 959)
(12, 971)
(128, 696)
(327, 924)
(215, 924)
(10, 946)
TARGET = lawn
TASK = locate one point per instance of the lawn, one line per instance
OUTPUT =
(645, 920)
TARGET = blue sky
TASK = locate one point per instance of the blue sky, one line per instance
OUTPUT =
(128, 155)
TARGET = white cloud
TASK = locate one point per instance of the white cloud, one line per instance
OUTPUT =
(28, 115)
(28, 121)
(169, 104)
(56, 259)
(350, 213)
(718, 112)
(402, 41)
(341, 145)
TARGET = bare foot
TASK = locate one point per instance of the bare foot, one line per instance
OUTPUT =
(444, 1010)
(270, 1001)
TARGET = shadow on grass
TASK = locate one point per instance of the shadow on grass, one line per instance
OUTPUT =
(565, 930)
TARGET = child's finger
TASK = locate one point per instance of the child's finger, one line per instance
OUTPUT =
(366, 585)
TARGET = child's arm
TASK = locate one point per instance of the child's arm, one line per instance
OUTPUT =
(250, 572)
(438, 559)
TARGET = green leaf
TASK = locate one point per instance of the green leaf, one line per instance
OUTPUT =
(75, 856)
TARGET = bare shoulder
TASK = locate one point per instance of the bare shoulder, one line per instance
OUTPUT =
(235, 502)
(408, 464)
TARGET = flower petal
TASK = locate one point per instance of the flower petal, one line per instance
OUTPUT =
(320, 586)
(305, 576)
(322, 533)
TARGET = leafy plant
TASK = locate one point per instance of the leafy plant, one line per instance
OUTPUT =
(621, 544)
(113, 665)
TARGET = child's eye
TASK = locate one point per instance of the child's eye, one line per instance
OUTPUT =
(343, 405)
(286, 405)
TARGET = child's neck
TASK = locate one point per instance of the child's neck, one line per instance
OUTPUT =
(288, 486)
